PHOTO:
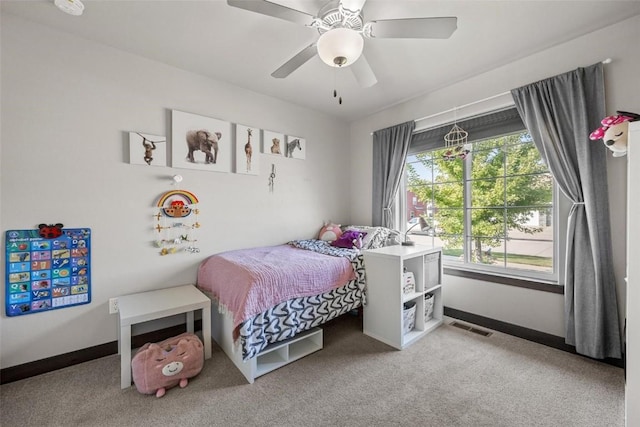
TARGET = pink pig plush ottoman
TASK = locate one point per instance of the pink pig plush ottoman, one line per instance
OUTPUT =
(158, 367)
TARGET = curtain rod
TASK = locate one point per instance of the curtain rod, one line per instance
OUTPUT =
(463, 106)
(606, 61)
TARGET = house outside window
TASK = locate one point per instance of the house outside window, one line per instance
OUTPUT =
(492, 209)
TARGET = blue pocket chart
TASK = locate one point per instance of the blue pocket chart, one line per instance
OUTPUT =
(46, 274)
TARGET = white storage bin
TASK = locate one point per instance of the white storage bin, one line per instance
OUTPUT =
(432, 270)
(409, 284)
(428, 306)
(408, 316)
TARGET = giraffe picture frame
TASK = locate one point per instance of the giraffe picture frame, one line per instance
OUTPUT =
(247, 140)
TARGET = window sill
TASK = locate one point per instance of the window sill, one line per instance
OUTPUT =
(511, 281)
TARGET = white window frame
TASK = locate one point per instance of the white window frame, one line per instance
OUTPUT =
(561, 206)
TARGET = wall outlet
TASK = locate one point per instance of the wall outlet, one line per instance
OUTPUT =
(113, 305)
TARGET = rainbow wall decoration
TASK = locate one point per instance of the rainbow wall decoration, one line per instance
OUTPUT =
(177, 203)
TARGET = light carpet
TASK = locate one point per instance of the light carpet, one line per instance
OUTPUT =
(451, 377)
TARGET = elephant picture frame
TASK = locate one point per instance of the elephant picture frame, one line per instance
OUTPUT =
(200, 142)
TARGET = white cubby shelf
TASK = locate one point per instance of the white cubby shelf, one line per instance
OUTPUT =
(383, 313)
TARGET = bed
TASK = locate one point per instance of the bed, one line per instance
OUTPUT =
(268, 302)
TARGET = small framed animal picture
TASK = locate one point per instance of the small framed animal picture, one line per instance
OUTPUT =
(147, 149)
(247, 150)
(296, 147)
(199, 142)
(273, 143)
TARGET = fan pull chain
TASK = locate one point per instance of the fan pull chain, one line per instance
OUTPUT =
(335, 91)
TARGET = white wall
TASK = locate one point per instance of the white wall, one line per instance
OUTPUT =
(67, 106)
(532, 309)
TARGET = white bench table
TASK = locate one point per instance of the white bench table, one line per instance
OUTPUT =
(145, 306)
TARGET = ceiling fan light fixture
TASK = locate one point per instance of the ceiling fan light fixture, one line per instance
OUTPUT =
(340, 47)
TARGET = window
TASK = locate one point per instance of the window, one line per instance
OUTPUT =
(490, 205)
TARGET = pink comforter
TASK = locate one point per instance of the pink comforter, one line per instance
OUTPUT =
(249, 281)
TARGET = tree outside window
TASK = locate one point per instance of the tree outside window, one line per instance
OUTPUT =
(492, 209)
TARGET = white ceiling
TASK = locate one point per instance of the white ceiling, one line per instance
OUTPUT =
(244, 48)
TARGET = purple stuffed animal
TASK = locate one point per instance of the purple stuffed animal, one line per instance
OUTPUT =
(350, 239)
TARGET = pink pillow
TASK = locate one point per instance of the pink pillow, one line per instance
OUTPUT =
(350, 239)
(158, 367)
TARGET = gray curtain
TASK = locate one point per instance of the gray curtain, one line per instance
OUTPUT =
(390, 147)
(559, 113)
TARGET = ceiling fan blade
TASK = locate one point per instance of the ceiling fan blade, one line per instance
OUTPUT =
(353, 5)
(363, 73)
(272, 9)
(310, 7)
(296, 62)
(414, 28)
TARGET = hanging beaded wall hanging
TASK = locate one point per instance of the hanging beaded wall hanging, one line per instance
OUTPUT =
(176, 222)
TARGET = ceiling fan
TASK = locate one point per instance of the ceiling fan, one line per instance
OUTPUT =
(342, 31)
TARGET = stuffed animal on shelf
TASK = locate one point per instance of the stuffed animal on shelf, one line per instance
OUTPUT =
(158, 367)
(614, 132)
(330, 232)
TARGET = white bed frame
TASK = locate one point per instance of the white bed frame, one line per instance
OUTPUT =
(273, 357)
